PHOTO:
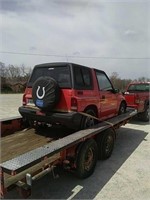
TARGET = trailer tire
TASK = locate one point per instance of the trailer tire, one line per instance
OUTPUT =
(86, 159)
(105, 143)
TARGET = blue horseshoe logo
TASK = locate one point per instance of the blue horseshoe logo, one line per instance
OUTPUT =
(37, 92)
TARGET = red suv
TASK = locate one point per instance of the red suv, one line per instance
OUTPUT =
(57, 92)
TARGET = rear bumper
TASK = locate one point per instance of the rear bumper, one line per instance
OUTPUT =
(139, 107)
(132, 106)
(69, 119)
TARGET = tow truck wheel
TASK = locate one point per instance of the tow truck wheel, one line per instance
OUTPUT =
(86, 159)
(105, 142)
(145, 115)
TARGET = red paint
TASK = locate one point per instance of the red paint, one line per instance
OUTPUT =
(105, 103)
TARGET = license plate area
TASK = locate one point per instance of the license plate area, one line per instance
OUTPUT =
(40, 113)
(30, 102)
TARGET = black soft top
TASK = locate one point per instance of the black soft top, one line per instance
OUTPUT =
(53, 64)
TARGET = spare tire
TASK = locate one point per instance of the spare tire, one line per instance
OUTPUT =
(45, 93)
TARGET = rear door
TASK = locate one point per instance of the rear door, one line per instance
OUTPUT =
(108, 99)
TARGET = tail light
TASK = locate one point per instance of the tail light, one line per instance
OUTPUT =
(137, 100)
(74, 104)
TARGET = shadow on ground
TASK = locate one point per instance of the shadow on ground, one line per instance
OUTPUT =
(61, 188)
(137, 121)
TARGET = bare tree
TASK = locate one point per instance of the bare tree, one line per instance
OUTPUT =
(143, 79)
(13, 71)
(3, 70)
(119, 83)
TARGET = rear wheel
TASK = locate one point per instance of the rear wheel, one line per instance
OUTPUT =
(105, 142)
(86, 159)
(145, 115)
(88, 121)
(122, 108)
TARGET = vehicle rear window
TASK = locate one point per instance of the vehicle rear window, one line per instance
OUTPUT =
(60, 73)
(139, 87)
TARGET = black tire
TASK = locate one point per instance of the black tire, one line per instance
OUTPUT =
(105, 143)
(86, 121)
(145, 115)
(45, 93)
(122, 108)
(25, 122)
(86, 159)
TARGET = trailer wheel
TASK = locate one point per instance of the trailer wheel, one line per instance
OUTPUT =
(105, 142)
(86, 159)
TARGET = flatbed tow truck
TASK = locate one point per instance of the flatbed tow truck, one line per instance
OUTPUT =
(28, 154)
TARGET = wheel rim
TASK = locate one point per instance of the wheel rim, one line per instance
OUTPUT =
(109, 144)
(88, 122)
(122, 109)
(88, 160)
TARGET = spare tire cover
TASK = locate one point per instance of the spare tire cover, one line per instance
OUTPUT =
(45, 93)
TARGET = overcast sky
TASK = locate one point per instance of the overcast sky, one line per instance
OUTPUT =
(96, 33)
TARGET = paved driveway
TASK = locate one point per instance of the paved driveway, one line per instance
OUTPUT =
(9, 104)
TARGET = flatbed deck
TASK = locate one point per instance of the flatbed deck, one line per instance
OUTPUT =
(28, 139)
(21, 142)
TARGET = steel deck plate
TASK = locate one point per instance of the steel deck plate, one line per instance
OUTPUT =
(30, 158)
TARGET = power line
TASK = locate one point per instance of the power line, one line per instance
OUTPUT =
(71, 56)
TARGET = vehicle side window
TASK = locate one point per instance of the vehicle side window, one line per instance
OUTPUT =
(78, 77)
(139, 87)
(103, 82)
(131, 88)
(82, 78)
(86, 77)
